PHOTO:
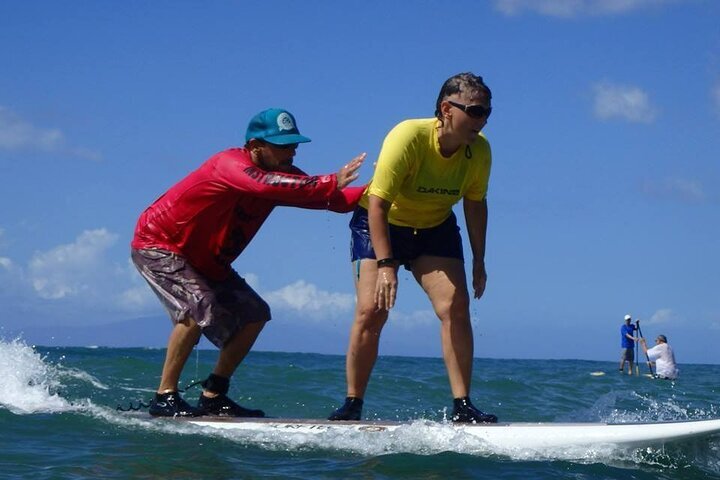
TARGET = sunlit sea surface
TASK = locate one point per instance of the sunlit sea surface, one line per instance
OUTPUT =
(58, 418)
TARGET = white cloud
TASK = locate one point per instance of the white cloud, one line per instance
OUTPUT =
(316, 304)
(72, 269)
(18, 134)
(252, 280)
(137, 298)
(418, 318)
(6, 263)
(10, 278)
(663, 316)
(575, 8)
(309, 299)
(682, 189)
(629, 103)
(80, 279)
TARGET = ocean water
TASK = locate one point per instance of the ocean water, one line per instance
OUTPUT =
(58, 419)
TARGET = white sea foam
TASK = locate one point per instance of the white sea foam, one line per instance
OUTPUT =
(421, 437)
(84, 376)
(29, 383)
(418, 438)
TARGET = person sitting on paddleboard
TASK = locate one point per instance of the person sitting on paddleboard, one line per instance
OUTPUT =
(627, 343)
(663, 356)
(405, 218)
(186, 240)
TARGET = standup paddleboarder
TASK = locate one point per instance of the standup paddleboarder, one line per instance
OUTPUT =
(185, 243)
(405, 218)
(627, 343)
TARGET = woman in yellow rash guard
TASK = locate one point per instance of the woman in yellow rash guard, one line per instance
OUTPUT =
(405, 218)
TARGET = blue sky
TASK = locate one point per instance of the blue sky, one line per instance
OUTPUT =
(603, 196)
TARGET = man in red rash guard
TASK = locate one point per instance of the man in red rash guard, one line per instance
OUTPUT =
(186, 240)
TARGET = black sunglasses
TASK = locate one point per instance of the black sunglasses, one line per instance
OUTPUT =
(475, 111)
(287, 146)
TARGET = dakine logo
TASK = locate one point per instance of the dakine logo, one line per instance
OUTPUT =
(285, 122)
(440, 191)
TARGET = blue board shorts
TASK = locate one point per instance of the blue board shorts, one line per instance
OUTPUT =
(219, 308)
(407, 243)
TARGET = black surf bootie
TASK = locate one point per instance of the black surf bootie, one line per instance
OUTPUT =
(171, 404)
(351, 410)
(465, 412)
(220, 404)
(224, 407)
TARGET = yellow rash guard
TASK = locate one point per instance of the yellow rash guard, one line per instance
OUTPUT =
(421, 184)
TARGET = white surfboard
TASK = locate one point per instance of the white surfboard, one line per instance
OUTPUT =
(501, 435)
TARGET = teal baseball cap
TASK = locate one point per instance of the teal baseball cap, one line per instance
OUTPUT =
(276, 126)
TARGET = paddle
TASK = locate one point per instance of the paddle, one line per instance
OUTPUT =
(637, 352)
(637, 323)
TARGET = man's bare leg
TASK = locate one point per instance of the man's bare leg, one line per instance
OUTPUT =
(183, 338)
(235, 350)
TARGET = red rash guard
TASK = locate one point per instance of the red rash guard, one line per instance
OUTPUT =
(210, 216)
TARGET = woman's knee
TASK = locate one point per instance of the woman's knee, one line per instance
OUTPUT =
(456, 307)
(368, 318)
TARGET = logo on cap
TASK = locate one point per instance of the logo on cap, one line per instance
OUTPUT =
(285, 122)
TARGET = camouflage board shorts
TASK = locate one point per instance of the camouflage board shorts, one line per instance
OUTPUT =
(220, 308)
(627, 355)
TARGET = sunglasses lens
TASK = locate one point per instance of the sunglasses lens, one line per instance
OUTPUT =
(478, 111)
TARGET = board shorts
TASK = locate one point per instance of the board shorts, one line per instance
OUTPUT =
(219, 308)
(407, 243)
(627, 355)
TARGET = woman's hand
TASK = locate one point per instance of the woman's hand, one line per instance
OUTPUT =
(479, 278)
(386, 287)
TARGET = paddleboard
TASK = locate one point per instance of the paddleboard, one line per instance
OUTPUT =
(501, 435)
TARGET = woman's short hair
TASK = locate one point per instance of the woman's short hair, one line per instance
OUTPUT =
(462, 82)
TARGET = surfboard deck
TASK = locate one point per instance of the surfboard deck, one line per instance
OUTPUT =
(502, 435)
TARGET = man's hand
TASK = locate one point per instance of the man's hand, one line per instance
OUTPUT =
(349, 172)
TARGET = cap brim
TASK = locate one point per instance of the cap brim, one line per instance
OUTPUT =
(287, 139)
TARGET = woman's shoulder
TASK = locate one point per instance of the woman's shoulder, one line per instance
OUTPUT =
(482, 141)
(417, 131)
(415, 126)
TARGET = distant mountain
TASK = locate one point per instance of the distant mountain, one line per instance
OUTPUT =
(153, 332)
(280, 335)
(137, 332)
